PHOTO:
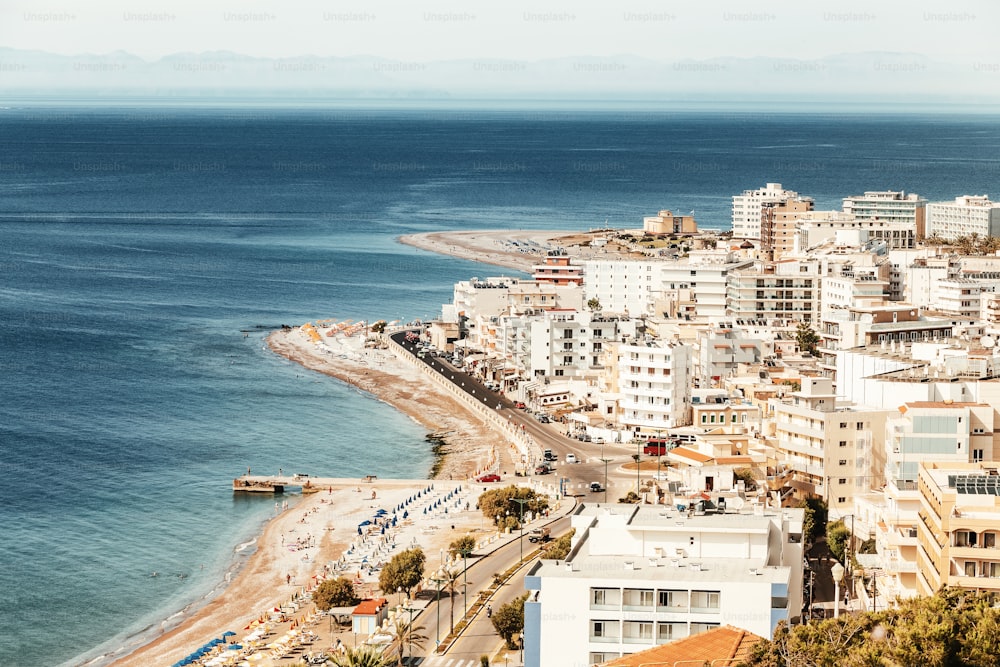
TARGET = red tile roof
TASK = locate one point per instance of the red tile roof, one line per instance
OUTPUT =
(369, 607)
(718, 644)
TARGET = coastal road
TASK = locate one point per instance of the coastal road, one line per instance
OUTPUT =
(479, 637)
(547, 436)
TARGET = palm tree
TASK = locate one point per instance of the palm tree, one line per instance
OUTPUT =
(451, 584)
(404, 636)
(362, 656)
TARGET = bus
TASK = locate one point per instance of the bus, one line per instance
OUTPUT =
(658, 446)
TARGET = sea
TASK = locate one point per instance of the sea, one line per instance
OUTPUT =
(146, 251)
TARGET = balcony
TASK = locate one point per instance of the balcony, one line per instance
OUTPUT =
(598, 639)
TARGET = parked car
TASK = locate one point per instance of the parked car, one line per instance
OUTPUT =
(548, 455)
(571, 458)
(520, 405)
(598, 441)
(596, 487)
(544, 419)
(490, 477)
(542, 469)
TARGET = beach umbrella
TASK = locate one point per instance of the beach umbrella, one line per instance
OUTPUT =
(406, 515)
(228, 633)
(235, 647)
(366, 522)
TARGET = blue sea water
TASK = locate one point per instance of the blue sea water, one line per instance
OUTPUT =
(139, 245)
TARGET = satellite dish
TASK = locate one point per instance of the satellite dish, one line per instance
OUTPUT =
(987, 341)
(735, 503)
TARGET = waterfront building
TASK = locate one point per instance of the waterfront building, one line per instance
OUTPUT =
(558, 268)
(778, 220)
(903, 211)
(747, 216)
(966, 215)
(643, 287)
(642, 575)
(818, 227)
(667, 223)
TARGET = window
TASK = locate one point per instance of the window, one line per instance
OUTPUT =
(671, 600)
(842, 462)
(843, 424)
(668, 631)
(599, 658)
(604, 598)
(568, 360)
(567, 346)
(843, 443)
(977, 455)
(638, 598)
(842, 480)
(841, 499)
(970, 568)
(704, 600)
(638, 632)
(698, 628)
(860, 426)
(604, 631)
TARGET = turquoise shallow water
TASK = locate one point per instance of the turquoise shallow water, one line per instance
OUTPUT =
(136, 247)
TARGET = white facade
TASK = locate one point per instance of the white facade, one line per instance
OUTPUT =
(642, 575)
(905, 213)
(572, 343)
(966, 215)
(747, 208)
(636, 286)
(654, 385)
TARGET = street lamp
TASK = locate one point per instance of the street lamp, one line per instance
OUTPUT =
(465, 551)
(409, 631)
(606, 461)
(521, 502)
(438, 580)
(837, 571)
(521, 642)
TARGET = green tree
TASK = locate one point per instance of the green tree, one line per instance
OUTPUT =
(508, 620)
(335, 593)
(406, 636)
(837, 535)
(594, 304)
(362, 656)
(379, 326)
(814, 522)
(559, 548)
(462, 546)
(959, 628)
(807, 339)
(497, 502)
(404, 571)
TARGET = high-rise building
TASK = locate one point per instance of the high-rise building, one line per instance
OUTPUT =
(747, 208)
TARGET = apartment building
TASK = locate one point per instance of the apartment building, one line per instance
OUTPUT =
(966, 215)
(959, 525)
(747, 216)
(557, 268)
(777, 225)
(824, 447)
(782, 290)
(641, 575)
(906, 211)
(653, 384)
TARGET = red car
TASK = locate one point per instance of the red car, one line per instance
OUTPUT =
(492, 477)
(520, 405)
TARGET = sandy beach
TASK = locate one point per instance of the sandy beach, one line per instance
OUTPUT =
(315, 534)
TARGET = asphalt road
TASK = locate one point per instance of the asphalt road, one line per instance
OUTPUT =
(548, 436)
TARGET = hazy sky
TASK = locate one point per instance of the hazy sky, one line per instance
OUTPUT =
(959, 31)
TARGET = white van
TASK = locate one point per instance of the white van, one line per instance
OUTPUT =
(571, 458)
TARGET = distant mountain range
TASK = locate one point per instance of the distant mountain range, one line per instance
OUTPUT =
(857, 78)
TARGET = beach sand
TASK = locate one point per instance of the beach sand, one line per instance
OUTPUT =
(328, 520)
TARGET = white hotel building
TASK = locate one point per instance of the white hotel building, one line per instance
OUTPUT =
(966, 215)
(642, 575)
(653, 386)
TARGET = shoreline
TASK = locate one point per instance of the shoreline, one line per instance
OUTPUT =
(229, 604)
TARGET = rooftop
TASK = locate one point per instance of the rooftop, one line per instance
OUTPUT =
(719, 645)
